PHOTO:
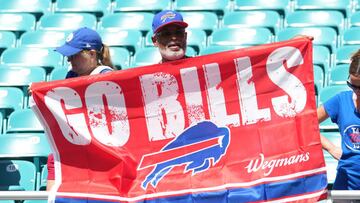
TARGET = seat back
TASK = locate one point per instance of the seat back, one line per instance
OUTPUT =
(130, 39)
(96, 7)
(23, 120)
(43, 39)
(344, 6)
(17, 175)
(120, 57)
(58, 74)
(339, 74)
(17, 22)
(11, 98)
(139, 5)
(132, 20)
(217, 6)
(280, 6)
(67, 21)
(7, 40)
(207, 21)
(344, 53)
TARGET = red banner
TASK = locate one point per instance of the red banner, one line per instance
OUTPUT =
(236, 126)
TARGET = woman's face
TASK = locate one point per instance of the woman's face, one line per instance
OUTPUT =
(84, 62)
(354, 84)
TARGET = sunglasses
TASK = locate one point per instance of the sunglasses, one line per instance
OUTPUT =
(167, 33)
(353, 87)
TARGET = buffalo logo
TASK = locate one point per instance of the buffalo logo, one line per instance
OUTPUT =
(168, 15)
(198, 148)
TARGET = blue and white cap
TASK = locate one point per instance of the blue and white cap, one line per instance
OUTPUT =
(81, 39)
(167, 17)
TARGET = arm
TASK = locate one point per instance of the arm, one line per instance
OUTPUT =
(327, 144)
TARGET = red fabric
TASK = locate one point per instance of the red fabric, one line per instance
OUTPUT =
(112, 131)
(50, 167)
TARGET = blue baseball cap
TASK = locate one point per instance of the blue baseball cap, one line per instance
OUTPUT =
(81, 39)
(167, 17)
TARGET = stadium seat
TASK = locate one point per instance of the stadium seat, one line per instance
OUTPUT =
(43, 178)
(7, 40)
(38, 7)
(23, 120)
(139, 5)
(267, 19)
(334, 19)
(339, 74)
(130, 39)
(1, 122)
(218, 6)
(196, 38)
(343, 54)
(17, 175)
(318, 78)
(217, 49)
(207, 21)
(324, 36)
(11, 98)
(97, 7)
(132, 20)
(43, 39)
(120, 57)
(58, 74)
(66, 21)
(355, 19)
(240, 36)
(321, 57)
(351, 36)
(151, 55)
(21, 76)
(46, 58)
(280, 6)
(17, 22)
(344, 6)
(24, 145)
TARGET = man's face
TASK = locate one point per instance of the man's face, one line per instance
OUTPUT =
(171, 41)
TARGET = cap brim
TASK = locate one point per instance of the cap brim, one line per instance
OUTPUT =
(180, 23)
(67, 50)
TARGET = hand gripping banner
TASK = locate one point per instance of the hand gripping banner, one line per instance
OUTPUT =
(236, 126)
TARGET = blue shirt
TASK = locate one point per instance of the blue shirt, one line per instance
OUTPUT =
(342, 111)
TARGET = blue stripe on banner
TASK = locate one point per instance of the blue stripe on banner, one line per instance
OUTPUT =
(268, 191)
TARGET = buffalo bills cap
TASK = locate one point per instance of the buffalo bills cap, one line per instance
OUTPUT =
(167, 17)
(81, 39)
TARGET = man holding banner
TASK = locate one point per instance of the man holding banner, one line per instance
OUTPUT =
(237, 126)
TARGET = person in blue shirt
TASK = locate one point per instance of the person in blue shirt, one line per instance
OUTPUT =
(88, 56)
(344, 110)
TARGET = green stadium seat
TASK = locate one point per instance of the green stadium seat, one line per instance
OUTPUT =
(96, 7)
(46, 58)
(240, 36)
(151, 55)
(7, 40)
(321, 57)
(58, 74)
(267, 19)
(351, 36)
(207, 21)
(66, 21)
(7, 201)
(339, 74)
(24, 145)
(334, 19)
(130, 39)
(319, 78)
(17, 22)
(23, 120)
(216, 49)
(280, 6)
(355, 20)
(218, 6)
(43, 178)
(196, 38)
(11, 98)
(21, 76)
(122, 21)
(36, 7)
(120, 57)
(139, 5)
(43, 39)
(343, 54)
(324, 36)
(344, 6)
(17, 175)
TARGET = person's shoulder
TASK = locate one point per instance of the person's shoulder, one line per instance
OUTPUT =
(101, 69)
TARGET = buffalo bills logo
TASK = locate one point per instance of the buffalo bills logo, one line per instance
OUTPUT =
(168, 15)
(198, 148)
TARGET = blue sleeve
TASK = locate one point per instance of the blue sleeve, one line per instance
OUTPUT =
(332, 107)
